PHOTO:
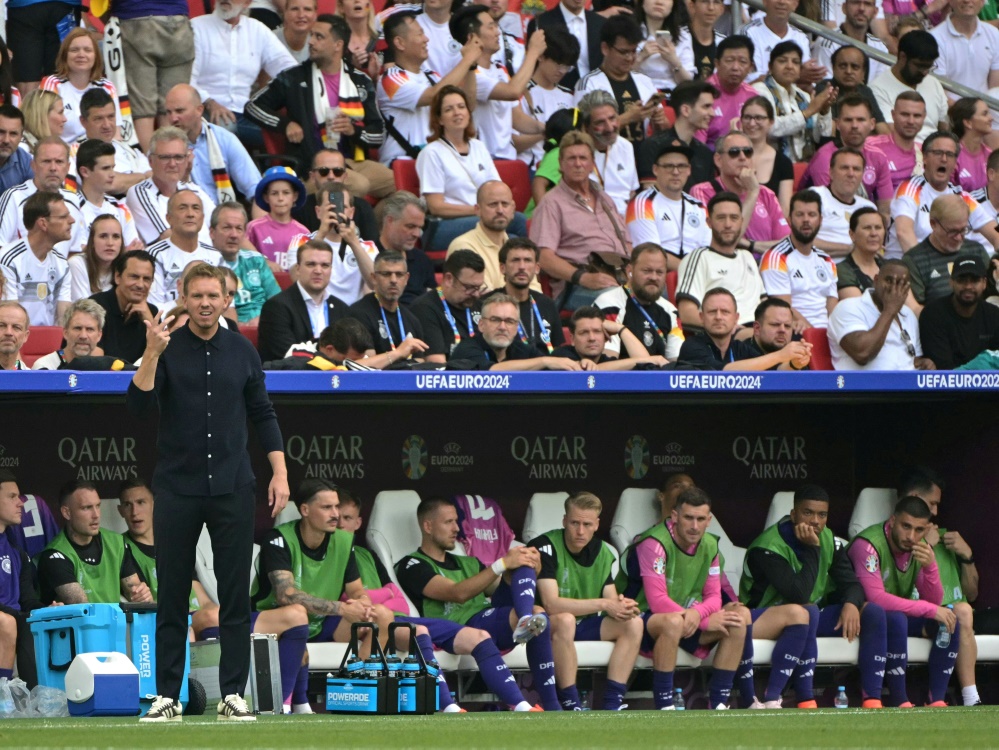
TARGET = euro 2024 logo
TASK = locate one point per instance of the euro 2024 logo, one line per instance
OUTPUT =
(414, 457)
(636, 457)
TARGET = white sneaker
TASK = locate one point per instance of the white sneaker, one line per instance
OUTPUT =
(721, 707)
(756, 704)
(774, 704)
(530, 626)
(302, 708)
(234, 708)
(668, 708)
(163, 709)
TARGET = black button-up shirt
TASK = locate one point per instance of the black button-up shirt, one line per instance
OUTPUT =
(206, 391)
(121, 338)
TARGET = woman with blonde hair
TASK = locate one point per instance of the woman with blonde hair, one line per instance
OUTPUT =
(79, 68)
(360, 16)
(91, 269)
(43, 116)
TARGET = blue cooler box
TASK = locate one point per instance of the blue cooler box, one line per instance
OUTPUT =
(102, 684)
(60, 633)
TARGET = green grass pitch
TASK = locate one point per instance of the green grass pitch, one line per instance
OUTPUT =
(952, 728)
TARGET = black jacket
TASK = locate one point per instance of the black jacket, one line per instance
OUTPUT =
(553, 18)
(284, 322)
(291, 92)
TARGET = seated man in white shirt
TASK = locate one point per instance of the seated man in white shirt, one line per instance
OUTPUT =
(666, 215)
(170, 160)
(839, 201)
(231, 50)
(876, 331)
(97, 115)
(185, 216)
(497, 92)
(614, 159)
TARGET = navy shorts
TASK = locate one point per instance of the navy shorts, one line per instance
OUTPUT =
(588, 629)
(689, 644)
(442, 632)
(496, 622)
(330, 623)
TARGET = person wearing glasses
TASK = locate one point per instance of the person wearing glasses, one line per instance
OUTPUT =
(389, 323)
(638, 99)
(499, 346)
(912, 222)
(170, 162)
(449, 313)
(763, 218)
(664, 214)
(331, 166)
(877, 330)
(930, 262)
(773, 168)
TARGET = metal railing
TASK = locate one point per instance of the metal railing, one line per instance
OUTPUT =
(834, 35)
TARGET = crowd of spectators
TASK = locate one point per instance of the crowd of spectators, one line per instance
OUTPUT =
(373, 164)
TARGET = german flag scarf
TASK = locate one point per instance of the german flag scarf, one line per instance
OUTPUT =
(223, 185)
(350, 104)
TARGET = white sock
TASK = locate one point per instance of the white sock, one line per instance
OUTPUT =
(970, 695)
(523, 706)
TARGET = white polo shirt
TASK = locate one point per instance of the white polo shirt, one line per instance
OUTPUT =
(860, 314)
(808, 279)
(494, 118)
(967, 61)
(679, 227)
(615, 170)
(836, 215)
(39, 285)
(443, 170)
(397, 93)
(169, 262)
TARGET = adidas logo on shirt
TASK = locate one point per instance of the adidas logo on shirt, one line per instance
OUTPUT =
(267, 241)
(934, 274)
(797, 275)
(278, 541)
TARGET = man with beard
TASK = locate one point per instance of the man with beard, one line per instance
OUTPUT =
(666, 215)
(540, 324)
(591, 334)
(720, 264)
(614, 158)
(892, 560)
(499, 347)
(446, 313)
(797, 272)
(718, 349)
(909, 114)
(641, 306)
(917, 53)
(955, 329)
(849, 66)
(912, 222)
(15, 162)
(495, 208)
(388, 322)
(877, 330)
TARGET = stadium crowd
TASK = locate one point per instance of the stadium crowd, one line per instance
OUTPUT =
(629, 187)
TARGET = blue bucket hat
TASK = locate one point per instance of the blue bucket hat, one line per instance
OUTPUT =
(273, 175)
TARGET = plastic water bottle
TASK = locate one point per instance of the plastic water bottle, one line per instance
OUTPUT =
(584, 701)
(679, 704)
(943, 635)
(841, 700)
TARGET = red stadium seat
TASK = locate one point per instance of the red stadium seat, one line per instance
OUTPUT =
(671, 281)
(567, 334)
(251, 333)
(799, 171)
(514, 173)
(42, 340)
(283, 278)
(406, 178)
(821, 355)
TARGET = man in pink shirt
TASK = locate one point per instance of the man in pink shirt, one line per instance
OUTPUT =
(892, 562)
(687, 613)
(734, 64)
(854, 118)
(761, 212)
(905, 160)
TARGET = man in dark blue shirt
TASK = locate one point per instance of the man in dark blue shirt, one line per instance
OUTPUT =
(203, 476)
(15, 162)
(17, 590)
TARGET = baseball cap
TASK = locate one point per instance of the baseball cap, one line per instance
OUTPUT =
(968, 265)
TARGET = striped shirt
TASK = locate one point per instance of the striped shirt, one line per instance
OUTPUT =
(706, 268)
(39, 285)
(169, 262)
(12, 216)
(809, 279)
(678, 226)
(149, 207)
(913, 200)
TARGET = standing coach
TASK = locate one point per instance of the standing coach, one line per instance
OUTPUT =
(203, 476)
